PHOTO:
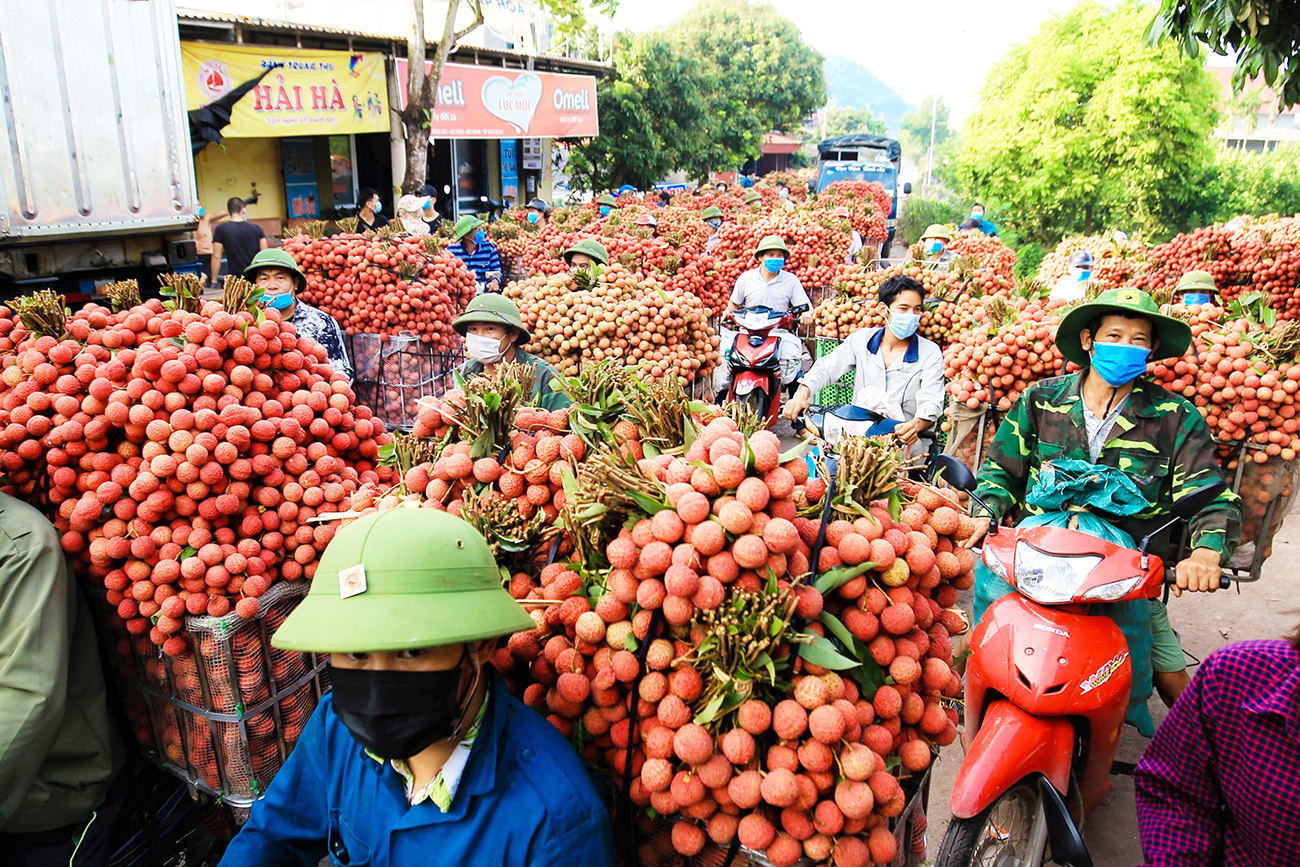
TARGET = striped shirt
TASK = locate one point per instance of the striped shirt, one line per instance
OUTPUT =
(484, 261)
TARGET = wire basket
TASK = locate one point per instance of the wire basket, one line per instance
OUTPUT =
(224, 715)
(1267, 485)
(392, 372)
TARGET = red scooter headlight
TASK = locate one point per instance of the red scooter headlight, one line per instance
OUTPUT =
(1052, 579)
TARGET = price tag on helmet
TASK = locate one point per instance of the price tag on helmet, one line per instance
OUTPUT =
(352, 581)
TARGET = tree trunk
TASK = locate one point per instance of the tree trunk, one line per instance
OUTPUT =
(422, 86)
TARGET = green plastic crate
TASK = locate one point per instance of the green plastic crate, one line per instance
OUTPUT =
(837, 393)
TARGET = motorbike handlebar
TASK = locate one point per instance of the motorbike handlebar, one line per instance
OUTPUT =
(1224, 581)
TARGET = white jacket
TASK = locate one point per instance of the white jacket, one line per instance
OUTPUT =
(914, 382)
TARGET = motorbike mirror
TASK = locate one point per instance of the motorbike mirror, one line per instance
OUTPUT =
(1188, 505)
(1185, 507)
(954, 472)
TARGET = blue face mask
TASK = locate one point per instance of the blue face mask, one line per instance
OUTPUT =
(533, 217)
(378, 206)
(479, 237)
(773, 264)
(604, 210)
(1193, 298)
(278, 302)
(904, 325)
(715, 223)
(1119, 363)
(1084, 275)
(200, 210)
(977, 216)
(933, 247)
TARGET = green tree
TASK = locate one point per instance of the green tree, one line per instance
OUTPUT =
(1263, 34)
(1087, 126)
(842, 121)
(914, 131)
(1242, 182)
(650, 107)
(756, 74)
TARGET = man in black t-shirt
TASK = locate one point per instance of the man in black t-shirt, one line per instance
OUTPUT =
(238, 239)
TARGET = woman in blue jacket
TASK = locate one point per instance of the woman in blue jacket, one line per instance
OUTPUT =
(419, 755)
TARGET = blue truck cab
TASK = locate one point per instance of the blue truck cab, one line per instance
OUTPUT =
(864, 157)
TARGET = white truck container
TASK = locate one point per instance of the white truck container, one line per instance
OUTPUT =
(96, 173)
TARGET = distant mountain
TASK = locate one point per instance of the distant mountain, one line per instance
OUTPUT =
(850, 85)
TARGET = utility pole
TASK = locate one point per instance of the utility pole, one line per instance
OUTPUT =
(929, 163)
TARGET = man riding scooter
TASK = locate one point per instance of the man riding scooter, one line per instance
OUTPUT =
(770, 288)
(897, 373)
(1111, 414)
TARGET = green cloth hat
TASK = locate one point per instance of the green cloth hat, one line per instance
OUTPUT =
(751, 196)
(606, 199)
(1196, 281)
(493, 309)
(711, 211)
(772, 242)
(465, 225)
(937, 231)
(590, 247)
(274, 257)
(400, 579)
(1173, 335)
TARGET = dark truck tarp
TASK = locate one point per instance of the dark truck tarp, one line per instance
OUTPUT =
(857, 140)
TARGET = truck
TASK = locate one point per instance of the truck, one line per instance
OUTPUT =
(864, 157)
(96, 172)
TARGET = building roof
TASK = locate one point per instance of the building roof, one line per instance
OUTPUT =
(1269, 105)
(780, 143)
(462, 53)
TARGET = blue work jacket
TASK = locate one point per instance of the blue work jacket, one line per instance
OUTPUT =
(525, 799)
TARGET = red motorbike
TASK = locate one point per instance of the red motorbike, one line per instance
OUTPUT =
(755, 359)
(1047, 688)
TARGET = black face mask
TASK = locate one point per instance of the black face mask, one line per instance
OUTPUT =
(397, 714)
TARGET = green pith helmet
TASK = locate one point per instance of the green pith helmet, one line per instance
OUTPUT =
(751, 196)
(712, 212)
(402, 579)
(1173, 336)
(493, 309)
(937, 231)
(606, 199)
(590, 247)
(772, 242)
(1196, 281)
(465, 225)
(274, 257)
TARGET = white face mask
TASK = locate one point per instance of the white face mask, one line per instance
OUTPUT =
(485, 349)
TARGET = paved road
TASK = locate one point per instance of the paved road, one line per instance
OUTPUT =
(1267, 609)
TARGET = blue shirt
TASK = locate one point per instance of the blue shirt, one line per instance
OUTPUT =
(485, 262)
(524, 799)
(987, 227)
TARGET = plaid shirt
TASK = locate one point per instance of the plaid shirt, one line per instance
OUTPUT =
(1219, 786)
(315, 323)
(484, 262)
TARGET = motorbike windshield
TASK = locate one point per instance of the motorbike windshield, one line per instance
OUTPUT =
(758, 318)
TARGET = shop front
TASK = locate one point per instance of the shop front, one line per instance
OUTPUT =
(492, 125)
(308, 130)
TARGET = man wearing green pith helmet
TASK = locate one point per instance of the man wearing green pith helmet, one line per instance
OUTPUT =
(419, 754)
(495, 334)
(1111, 414)
(276, 273)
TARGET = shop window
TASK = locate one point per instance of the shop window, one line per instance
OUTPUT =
(343, 171)
(471, 175)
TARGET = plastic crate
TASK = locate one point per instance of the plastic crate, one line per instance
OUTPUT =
(392, 372)
(224, 715)
(837, 393)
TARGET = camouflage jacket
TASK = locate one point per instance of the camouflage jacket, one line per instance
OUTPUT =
(1159, 440)
(543, 375)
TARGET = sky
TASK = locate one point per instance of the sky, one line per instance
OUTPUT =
(914, 46)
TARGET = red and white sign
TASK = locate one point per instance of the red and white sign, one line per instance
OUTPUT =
(487, 102)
